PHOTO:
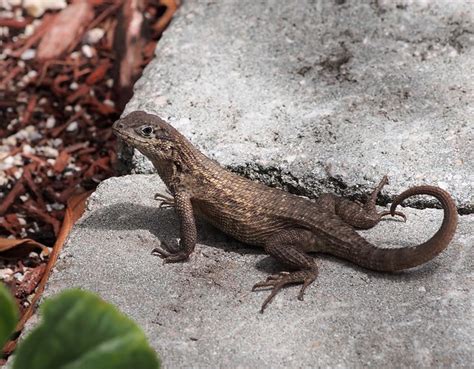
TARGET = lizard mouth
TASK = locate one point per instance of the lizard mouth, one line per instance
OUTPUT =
(123, 134)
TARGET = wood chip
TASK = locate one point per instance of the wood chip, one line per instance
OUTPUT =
(68, 26)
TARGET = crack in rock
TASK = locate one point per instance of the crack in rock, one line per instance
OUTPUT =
(275, 177)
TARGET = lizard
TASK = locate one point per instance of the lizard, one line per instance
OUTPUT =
(287, 226)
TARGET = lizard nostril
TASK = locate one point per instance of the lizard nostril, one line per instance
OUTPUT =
(118, 125)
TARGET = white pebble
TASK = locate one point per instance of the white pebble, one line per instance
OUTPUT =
(32, 74)
(5, 273)
(47, 151)
(73, 126)
(19, 276)
(27, 149)
(57, 206)
(33, 254)
(36, 8)
(28, 54)
(18, 173)
(94, 35)
(4, 31)
(50, 122)
(3, 179)
(87, 51)
(57, 142)
(29, 29)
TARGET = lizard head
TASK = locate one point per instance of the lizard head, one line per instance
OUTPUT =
(148, 133)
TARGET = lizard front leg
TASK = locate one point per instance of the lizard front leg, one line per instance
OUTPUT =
(188, 233)
(288, 247)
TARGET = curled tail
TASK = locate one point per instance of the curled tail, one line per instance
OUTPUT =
(413, 256)
(390, 260)
(351, 246)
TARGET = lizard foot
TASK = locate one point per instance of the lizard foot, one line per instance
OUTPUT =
(370, 206)
(170, 256)
(280, 280)
(166, 201)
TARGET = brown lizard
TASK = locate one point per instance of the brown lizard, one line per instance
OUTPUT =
(285, 225)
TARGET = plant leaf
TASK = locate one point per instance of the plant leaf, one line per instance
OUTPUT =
(8, 314)
(81, 331)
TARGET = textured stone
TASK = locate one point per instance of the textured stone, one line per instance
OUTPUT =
(202, 314)
(323, 96)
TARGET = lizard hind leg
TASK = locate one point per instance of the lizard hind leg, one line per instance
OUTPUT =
(288, 247)
(364, 216)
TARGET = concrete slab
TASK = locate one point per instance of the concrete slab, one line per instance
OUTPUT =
(201, 314)
(323, 96)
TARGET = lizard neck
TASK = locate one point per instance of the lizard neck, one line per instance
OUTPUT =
(185, 162)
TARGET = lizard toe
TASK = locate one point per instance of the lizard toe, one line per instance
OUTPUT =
(158, 251)
(165, 200)
(398, 213)
(278, 281)
(170, 255)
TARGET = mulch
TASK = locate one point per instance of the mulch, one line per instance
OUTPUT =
(65, 76)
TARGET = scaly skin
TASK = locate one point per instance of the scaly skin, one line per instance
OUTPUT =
(287, 226)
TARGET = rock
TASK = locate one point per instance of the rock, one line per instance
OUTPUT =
(322, 96)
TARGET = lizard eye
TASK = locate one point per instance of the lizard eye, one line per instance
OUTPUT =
(146, 131)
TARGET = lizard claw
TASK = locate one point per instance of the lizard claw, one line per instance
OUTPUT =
(169, 256)
(280, 280)
(399, 213)
(162, 253)
(176, 258)
(277, 284)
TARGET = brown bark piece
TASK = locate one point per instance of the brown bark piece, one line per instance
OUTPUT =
(98, 74)
(128, 45)
(31, 280)
(17, 190)
(67, 27)
(61, 161)
(33, 39)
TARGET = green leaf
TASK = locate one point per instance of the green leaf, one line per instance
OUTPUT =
(8, 315)
(81, 331)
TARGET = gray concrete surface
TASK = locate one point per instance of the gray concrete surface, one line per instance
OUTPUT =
(319, 96)
(202, 314)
